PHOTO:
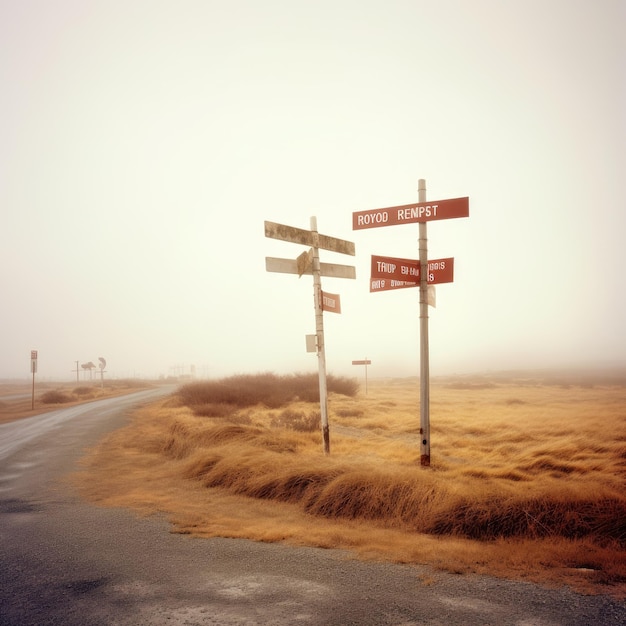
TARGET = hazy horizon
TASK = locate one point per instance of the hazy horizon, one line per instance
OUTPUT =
(145, 144)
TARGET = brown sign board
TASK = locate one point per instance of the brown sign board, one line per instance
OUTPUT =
(304, 261)
(364, 362)
(331, 302)
(407, 271)
(411, 213)
(308, 238)
(290, 266)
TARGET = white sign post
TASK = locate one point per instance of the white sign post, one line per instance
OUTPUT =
(33, 369)
(424, 353)
(365, 362)
(309, 263)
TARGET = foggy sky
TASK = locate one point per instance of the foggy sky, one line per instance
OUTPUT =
(145, 142)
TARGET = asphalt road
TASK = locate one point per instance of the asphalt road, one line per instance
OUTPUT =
(66, 562)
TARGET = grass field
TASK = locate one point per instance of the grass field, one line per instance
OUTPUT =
(526, 480)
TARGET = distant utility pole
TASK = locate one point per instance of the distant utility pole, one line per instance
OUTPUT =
(33, 369)
(77, 370)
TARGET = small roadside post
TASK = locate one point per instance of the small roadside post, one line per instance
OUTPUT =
(365, 362)
(33, 369)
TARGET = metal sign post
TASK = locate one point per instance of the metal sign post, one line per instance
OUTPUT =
(392, 273)
(309, 263)
(424, 355)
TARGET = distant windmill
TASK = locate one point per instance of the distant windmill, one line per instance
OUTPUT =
(103, 364)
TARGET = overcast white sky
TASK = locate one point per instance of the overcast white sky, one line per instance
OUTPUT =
(143, 143)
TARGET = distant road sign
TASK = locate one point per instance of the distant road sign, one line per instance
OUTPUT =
(363, 362)
(407, 271)
(331, 302)
(411, 213)
(308, 238)
(290, 266)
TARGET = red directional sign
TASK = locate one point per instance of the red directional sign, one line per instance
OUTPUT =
(331, 302)
(393, 273)
(410, 213)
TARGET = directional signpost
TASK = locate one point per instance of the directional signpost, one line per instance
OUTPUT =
(392, 273)
(309, 263)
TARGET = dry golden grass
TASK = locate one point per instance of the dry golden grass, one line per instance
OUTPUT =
(526, 477)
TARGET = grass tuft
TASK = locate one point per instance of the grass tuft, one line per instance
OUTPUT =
(55, 397)
(267, 389)
(297, 420)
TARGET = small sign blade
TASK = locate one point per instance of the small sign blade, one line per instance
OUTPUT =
(290, 266)
(331, 302)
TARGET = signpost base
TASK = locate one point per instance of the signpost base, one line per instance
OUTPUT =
(326, 437)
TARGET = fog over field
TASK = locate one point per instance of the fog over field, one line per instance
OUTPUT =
(145, 143)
